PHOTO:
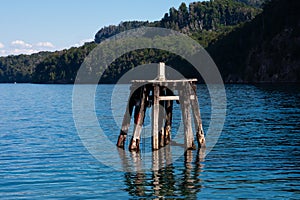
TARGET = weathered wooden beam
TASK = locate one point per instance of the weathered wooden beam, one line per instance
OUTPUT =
(161, 118)
(163, 82)
(169, 114)
(139, 115)
(167, 98)
(186, 116)
(161, 72)
(197, 116)
(126, 120)
(155, 116)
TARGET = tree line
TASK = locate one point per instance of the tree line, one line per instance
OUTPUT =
(230, 30)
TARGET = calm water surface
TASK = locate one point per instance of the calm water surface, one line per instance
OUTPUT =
(257, 155)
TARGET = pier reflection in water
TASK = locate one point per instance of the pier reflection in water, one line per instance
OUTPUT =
(163, 180)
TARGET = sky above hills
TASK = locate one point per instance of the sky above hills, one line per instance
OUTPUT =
(33, 25)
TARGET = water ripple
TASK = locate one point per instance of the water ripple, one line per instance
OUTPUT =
(256, 157)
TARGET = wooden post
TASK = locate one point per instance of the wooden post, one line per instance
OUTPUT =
(161, 119)
(186, 117)
(197, 116)
(168, 123)
(161, 72)
(139, 115)
(155, 116)
(126, 120)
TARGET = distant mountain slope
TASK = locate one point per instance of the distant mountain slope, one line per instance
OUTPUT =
(265, 50)
(20, 68)
(246, 46)
(204, 21)
(111, 30)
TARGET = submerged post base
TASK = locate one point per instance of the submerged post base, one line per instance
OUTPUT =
(167, 135)
(201, 139)
(192, 147)
(134, 145)
(121, 140)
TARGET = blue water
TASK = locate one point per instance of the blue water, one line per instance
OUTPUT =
(257, 155)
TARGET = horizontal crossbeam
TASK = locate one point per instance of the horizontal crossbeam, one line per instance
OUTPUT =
(167, 98)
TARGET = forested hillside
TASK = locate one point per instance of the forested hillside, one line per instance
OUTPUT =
(256, 3)
(248, 45)
(203, 21)
(20, 68)
(265, 50)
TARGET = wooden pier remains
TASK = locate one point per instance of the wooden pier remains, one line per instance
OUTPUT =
(160, 94)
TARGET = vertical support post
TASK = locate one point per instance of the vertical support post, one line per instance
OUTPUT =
(161, 119)
(169, 113)
(155, 116)
(126, 120)
(139, 116)
(186, 116)
(197, 116)
(161, 72)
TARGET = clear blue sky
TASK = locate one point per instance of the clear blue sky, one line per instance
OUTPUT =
(29, 26)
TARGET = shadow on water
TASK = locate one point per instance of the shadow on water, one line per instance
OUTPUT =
(164, 180)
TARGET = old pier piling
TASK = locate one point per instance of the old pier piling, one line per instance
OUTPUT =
(160, 94)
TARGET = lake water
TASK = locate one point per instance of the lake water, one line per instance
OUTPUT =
(42, 156)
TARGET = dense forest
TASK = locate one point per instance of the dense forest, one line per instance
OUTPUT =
(250, 41)
(265, 50)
